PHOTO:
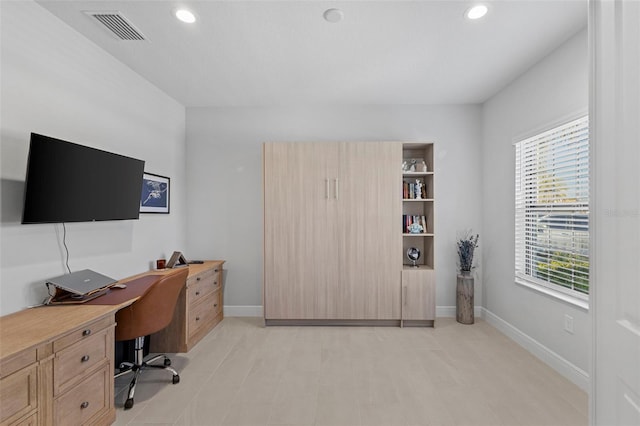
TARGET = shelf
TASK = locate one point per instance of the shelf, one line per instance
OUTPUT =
(415, 199)
(411, 174)
(419, 268)
(422, 234)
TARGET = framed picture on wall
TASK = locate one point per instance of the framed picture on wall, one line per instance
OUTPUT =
(156, 191)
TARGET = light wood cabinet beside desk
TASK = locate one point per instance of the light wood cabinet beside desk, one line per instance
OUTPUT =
(199, 309)
(57, 362)
(56, 366)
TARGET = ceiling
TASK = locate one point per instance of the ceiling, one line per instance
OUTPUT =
(283, 53)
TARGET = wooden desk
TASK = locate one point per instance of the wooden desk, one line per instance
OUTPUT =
(56, 362)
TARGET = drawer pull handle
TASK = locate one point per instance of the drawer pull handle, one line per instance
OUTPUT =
(197, 293)
(215, 270)
(84, 405)
(86, 332)
(215, 283)
(197, 318)
(84, 358)
(198, 279)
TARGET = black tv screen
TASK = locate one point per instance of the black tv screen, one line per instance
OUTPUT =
(67, 182)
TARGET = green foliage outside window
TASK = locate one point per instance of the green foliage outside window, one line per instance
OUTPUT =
(568, 270)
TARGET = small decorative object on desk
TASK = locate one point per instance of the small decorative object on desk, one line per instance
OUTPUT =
(413, 254)
(465, 283)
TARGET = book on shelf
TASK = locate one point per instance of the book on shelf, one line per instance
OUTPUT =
(409, 190)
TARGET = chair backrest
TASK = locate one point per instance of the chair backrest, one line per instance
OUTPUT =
(154, 310)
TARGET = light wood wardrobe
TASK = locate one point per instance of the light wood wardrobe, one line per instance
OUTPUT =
(333, 245)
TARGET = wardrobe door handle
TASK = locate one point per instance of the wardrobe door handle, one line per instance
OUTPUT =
(336, 187)
(326, 189)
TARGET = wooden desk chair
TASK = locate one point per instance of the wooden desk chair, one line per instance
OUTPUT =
(149, 314)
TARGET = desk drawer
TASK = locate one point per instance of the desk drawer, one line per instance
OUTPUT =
(70, 364)
(82, 333)
(18, 361)
(88, 399)
(201, 286)
(202, 313)
(32, 420)
(217, 302)
(18, 394)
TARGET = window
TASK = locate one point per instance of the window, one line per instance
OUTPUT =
(552, 210)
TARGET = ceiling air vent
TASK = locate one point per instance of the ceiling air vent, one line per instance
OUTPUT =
(118, 25)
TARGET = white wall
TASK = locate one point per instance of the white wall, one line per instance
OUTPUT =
(552, 89)
(224, 153)
(56, 82)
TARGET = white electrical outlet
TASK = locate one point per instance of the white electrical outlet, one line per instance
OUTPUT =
(568, 324)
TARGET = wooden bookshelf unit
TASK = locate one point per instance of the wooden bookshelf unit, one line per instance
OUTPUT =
(418, 197)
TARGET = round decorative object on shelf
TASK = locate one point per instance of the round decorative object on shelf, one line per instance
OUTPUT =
(413, 254)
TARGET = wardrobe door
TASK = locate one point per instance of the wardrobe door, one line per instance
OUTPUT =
(299, 229)
(369, 199)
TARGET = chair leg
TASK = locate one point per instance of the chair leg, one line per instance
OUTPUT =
(157, 357)
(165, 366)
(139, 365)
(125, 368)
(132, 387)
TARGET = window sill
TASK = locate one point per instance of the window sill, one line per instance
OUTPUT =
(579, 303)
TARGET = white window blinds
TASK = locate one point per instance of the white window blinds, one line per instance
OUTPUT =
(552, 208)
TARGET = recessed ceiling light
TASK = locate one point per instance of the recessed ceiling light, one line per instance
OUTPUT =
(476, 12)
(185, 16)
(333, 15)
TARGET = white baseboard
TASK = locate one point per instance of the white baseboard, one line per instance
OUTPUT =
(450, 311)
(257, 311)
(243, 311)
(570, 371)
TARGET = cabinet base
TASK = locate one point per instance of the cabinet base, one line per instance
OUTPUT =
(418, 323)
(349, 322)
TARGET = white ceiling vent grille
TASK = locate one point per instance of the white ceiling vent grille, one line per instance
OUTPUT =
(118, 25)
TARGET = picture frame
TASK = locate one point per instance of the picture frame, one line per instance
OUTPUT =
(156, 194)
(177, 259)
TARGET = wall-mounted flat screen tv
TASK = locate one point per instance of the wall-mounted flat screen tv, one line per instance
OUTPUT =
(67, 182)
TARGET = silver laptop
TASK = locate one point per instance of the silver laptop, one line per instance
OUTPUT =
(81, 283)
